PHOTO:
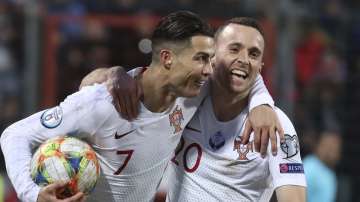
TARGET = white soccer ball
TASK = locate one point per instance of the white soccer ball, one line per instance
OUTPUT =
(65, 158)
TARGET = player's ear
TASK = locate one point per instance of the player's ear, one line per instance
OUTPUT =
(166, 58)
(261, 66)
(212, 62)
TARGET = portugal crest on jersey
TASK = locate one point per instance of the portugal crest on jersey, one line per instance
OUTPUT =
(242, 149)
(176, 118)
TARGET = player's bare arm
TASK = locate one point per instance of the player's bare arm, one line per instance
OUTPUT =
(291, 193)
(99, 75)
(265, 123)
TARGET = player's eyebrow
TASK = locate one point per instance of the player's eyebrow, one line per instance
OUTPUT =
(236, 44)
(202, 53)
(256, 50)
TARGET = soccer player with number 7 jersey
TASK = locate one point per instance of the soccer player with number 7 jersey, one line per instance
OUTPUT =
(132, 155)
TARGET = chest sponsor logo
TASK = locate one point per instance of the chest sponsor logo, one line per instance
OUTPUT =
(117, 136)
(51, 118)
(243, 150)
(291, 168)
(291, 146)
(176, 118)
(217, 141)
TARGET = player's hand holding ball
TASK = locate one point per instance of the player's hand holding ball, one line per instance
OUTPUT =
(53, 193)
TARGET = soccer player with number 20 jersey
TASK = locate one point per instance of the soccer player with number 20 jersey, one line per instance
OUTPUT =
(210, 163)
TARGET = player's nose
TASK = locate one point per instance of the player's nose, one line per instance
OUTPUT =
(208, 69)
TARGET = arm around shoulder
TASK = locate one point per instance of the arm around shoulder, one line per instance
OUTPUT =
(100, 75)
(259, 94)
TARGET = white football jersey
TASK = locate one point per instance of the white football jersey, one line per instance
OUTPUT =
(132, 155)
(210, 164)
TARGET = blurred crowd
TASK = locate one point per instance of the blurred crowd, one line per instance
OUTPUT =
(326, 58)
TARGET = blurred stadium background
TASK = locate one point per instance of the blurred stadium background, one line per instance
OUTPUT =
(312, 60)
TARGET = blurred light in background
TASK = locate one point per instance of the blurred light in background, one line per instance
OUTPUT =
(145, 46)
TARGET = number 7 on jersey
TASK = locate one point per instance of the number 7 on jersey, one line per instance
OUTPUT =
(128, 154)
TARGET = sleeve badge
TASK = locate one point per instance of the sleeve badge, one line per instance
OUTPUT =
(291, 146)
(51, 118)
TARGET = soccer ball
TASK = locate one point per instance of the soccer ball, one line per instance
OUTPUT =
(65, 158)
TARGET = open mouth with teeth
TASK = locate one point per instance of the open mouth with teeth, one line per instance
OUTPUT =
(200, 82)
(239, 73)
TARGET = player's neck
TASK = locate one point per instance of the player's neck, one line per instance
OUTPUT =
(157, 98)
(226, 105)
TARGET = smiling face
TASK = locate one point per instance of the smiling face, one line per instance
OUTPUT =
(238, 58)
(191, 66)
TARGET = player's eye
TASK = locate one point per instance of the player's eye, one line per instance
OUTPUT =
(202, 58)
(254, 54)
(234, 50)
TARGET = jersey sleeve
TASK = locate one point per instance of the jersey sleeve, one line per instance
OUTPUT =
(80, 115)
(259, 94)
(286, 168)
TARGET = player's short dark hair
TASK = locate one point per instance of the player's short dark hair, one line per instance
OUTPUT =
(177, 28)
(246, 21)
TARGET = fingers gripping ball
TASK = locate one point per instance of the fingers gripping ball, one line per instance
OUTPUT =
(67, 159)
